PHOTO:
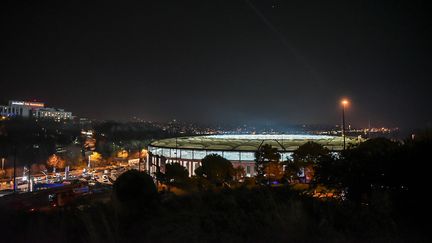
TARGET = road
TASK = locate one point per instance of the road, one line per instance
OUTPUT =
(104, 175)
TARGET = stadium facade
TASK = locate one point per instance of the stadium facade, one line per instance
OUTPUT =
(239, 149)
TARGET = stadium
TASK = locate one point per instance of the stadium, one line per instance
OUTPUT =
(239, 149)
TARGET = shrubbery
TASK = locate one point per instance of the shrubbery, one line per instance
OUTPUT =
(390, 210)
(241, 215)
(134, 186)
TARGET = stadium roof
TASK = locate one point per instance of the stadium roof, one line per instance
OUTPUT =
(252, 142)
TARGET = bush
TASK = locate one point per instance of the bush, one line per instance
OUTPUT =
(134, 186)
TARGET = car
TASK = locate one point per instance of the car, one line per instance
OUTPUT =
(92, 182)
(105, 179)
(6, 192)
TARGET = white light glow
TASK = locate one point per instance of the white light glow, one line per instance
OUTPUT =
(272, 137)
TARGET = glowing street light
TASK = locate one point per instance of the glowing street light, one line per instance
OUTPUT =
(344, 103)
(143, 153)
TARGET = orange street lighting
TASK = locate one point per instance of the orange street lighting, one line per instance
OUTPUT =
(142, 154)
(344, 102)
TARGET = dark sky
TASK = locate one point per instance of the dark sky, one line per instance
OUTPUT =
(235, 60)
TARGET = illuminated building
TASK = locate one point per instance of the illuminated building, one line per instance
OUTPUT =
(33, 109)
(239, 149)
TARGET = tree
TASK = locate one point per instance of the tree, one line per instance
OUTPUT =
(292, 171)
(104, 147)
(310, 153)
(175, 175)
(73, 156)
(216, 169)
(96, 159)
(134, 186)
(56, 162)
(274, 171)
(305, 158)
(34, 168)
(374, 164)
(9, 173)
(266, 154)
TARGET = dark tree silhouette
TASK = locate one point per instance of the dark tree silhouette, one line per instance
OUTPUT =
(370, 166)
(216, 169)
(134, 186)
(175, 175)
(265, 155)
(305, 158)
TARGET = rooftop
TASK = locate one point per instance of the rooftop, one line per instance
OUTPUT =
(253, 142)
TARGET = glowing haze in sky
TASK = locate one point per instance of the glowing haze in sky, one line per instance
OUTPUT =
(230, 60)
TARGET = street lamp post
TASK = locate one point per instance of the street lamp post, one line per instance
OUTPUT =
(14, 169)
(139, 158)
(344, 103)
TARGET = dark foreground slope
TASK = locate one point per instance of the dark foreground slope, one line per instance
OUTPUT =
(241, 215)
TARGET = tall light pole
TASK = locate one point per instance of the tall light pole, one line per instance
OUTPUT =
(139, 158)
(14, 165)
(344, 103)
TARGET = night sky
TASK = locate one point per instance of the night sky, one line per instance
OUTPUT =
(287, 62)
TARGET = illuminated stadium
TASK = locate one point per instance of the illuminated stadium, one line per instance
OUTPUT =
(239, 149)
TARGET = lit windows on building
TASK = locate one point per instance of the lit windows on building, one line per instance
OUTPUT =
(33, 109)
